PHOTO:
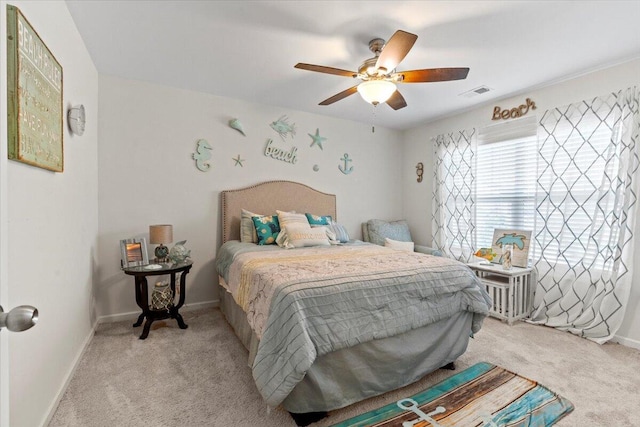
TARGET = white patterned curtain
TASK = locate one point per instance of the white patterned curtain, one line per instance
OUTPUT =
(586, 204)
(453, 194)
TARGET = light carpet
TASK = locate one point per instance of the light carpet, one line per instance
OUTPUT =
(199, 376)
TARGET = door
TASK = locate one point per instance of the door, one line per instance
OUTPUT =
(4, 339)
(4, 378)
(16, 320)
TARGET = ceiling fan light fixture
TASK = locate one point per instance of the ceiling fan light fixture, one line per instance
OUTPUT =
(379, 76)
(376, 91)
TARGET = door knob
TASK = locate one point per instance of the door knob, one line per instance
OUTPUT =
(19, 319)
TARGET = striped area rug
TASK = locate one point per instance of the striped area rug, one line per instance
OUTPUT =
(482, 395)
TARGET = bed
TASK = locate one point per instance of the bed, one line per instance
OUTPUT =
(329, 326)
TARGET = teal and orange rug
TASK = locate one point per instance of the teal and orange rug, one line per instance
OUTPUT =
(483, 395)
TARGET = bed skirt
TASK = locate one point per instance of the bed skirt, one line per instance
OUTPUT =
(350, 375)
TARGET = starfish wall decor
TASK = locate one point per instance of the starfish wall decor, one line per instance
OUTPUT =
(238, 161)
(317, 139)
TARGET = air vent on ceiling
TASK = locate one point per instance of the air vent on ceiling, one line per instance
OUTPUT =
(475, 92)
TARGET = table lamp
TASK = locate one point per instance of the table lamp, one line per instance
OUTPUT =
(159, 235)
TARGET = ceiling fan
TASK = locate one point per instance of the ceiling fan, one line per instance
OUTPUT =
(379, 76)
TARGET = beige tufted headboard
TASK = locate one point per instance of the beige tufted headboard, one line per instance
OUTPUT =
(266, 197)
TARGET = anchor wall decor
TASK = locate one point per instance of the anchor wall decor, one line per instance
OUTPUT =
(346, 169)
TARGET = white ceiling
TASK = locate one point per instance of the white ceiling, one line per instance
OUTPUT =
(247, 49)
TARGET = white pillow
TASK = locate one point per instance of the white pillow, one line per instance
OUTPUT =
(398, 245)
(290, 218)
(247, 228)
(299, 236)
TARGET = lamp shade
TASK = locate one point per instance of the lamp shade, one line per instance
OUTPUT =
(161, 233)
(376, 91)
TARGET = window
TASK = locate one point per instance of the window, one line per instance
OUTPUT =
(508, 167)
(505, 178)
(572, 178)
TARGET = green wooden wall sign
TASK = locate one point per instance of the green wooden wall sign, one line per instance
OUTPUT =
(34, 85)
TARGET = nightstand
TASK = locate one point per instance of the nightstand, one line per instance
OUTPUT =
(511, 290)
(142, 293)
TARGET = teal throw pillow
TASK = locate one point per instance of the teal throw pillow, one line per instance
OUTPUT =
(318, 220)
(267, 229)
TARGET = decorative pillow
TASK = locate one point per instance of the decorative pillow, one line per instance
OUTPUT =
(401, 246)
(247, 229)
(318, 220)
(395, 230)
(267, 229)
(298, 236)
(341, 233)
(290, 218)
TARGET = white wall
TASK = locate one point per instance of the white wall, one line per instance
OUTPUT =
(147, 176)
(418, 147)
(52, 223)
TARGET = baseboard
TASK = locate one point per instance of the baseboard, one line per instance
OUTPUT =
(627, 342)
(108, 319)
(133, 315)
(67, 380)
(201, 305)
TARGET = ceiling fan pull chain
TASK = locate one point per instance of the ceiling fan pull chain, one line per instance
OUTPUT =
(373, 120)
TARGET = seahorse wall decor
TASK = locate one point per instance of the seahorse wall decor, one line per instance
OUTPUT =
(420, 171)
(202, 154)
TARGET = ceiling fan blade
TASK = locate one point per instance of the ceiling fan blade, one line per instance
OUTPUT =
(326, 70)
(395, 50)
(339, 96)
(433, 75)
(396, 101)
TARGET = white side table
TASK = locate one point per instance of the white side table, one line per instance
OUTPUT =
(511, 290)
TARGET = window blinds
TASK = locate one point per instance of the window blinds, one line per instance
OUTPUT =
(509, 164)
(505, 178)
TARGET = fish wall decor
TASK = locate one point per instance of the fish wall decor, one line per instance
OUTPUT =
(283, 127)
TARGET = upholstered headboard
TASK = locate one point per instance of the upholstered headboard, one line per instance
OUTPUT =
(266, 197)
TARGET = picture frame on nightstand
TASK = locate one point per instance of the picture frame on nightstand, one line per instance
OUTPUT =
(134, 252)
(520, 240)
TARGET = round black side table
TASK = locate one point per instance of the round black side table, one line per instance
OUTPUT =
(140, 274)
